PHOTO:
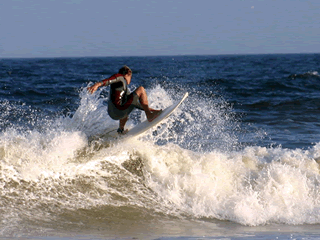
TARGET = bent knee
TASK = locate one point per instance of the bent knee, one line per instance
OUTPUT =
(140, 90)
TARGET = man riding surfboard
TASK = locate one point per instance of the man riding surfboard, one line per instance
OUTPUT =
(121, 101)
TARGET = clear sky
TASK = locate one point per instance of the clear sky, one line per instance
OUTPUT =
(64, 28)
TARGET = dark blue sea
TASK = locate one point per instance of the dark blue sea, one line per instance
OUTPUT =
(239, 159)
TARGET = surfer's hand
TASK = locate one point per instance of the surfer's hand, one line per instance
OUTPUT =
(94, 88)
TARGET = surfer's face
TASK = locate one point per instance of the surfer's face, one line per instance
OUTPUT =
(128, 77)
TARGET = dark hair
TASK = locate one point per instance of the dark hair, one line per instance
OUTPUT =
(125, 70)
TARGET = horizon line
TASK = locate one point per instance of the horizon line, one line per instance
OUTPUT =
(176, 55)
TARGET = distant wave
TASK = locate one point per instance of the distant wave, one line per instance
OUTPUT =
(305, 75)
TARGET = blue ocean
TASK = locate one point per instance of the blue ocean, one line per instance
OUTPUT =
(239, 159)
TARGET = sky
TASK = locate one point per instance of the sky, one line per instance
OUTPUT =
(80, 28)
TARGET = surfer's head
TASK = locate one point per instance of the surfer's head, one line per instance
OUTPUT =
(125, 70)
(127, 73)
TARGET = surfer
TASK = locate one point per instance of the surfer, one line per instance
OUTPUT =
(121, 101)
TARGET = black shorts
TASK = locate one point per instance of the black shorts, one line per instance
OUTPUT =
(117, 114)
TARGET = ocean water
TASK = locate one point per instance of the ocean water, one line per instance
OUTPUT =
(238, 160)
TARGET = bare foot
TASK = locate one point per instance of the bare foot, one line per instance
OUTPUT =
(154, 114)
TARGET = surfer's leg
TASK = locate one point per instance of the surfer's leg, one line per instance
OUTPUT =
(122, 123)
(150, 113)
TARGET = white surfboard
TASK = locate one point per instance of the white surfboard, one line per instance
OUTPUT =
(146, 125)
(111, 135)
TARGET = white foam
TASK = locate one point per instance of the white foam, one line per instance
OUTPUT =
(254, 186)
(180, 177)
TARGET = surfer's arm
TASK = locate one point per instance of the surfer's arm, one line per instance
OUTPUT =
(109, 81)
(105, 82)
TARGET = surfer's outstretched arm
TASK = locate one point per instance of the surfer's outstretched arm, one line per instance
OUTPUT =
(106, 82)
(95, 87)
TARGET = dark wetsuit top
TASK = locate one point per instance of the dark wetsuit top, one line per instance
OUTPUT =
(121, 101)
